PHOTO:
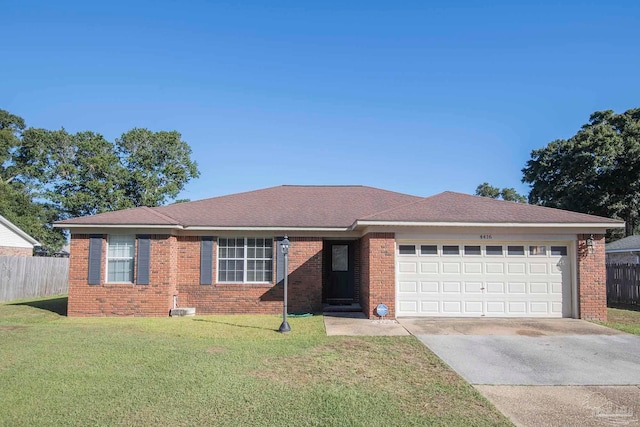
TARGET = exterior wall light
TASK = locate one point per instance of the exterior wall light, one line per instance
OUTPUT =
(284, 327)
(591, 244)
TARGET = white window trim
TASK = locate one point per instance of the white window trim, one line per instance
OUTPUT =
(132, 258)
(245, 260)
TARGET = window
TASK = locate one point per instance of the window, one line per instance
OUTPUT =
(429, 250)
(243, 260)
(407, 249)
(494, 250)
(340, 258)
(450, 250)
(559, 250)
(538, 250)
(515, 250)
(120, 252)
(472, 250)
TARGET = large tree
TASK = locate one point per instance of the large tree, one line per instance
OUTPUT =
(509, 194)
(596, 171)
(17, 202)
(54, 174)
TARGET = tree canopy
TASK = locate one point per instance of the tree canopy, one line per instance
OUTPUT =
(508, 194)
(53, 174)
(596, 171)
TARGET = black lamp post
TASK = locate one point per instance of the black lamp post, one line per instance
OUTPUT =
(284, 327)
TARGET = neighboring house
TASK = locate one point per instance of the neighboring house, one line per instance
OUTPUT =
(447, 255)
(624, 251)
(14, 241)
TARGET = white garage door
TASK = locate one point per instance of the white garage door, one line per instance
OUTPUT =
(481, 279)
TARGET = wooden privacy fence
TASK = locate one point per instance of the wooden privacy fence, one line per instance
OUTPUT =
(623, 284)
(30, 277)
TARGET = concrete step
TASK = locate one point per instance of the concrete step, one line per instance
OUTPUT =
(341, 308)
(184, 311)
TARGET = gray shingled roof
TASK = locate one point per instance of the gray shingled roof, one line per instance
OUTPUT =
(335, 207)
(631, 243)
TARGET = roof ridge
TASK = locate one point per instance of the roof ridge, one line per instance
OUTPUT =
(161, 215)
(421, 199)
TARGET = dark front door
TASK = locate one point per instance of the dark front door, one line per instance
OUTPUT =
(339, 279)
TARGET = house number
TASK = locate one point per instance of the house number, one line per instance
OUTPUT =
(486, 236)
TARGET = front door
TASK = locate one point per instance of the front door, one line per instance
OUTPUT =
(339, 279)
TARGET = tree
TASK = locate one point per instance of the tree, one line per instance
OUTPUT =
(16, 200)
(47, 175)
(596, 171)
(158, 165)
(508, 194)
(84, 174)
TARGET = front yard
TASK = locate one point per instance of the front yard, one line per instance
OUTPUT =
(219, 370)
(624, 318)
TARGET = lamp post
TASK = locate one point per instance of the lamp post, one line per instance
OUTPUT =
(284, 327)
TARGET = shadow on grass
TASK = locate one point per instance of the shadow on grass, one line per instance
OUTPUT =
(235, 324)
(54, 305)
(625, 307)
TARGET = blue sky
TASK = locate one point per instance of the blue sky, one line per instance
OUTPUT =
(414, 96)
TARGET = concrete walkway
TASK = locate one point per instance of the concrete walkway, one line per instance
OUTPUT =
(357, 324)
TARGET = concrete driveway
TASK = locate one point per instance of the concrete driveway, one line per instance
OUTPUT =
(542, 372)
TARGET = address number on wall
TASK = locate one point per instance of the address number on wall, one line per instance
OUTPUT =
(486, 236)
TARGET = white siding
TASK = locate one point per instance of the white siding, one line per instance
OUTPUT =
(10, 238)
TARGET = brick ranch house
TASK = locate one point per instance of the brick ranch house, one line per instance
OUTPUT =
(447, 255)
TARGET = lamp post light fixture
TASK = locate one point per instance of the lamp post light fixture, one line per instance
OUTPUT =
(284, 327)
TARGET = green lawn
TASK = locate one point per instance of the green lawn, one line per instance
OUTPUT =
(218, 370)
(624, 318)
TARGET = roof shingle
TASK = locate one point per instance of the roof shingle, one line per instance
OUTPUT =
(334, 207)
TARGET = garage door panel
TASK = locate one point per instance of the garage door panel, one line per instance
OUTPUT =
(538, 268)
(430, 307)
(517, 307)
(429, 287)
(473, 287)
(408, 306)
(473, 307)
(494, 267)
(495, 287)
(452, 307)
(451, 267)
(472, 267)
(494, 308)
(500, 280)
(408, 287)
(539, 288)
(516, 288)
(429, 268)
(407, 267)
(516, 268)
(451, 287)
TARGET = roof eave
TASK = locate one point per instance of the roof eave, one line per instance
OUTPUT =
(265, 228)
(158, 226)
(359, 223)
(617, 251)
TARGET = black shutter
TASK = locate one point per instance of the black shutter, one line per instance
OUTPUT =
(206, 260)
(144, 259)
(279, 261)
(95, 258)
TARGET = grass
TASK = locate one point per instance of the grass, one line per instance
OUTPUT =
(624, 318)
(218, 370)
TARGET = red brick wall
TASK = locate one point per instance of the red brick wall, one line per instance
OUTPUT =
(592, 278)
(305, 282)
(11, 251)
(118, 299)
(377, 273)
